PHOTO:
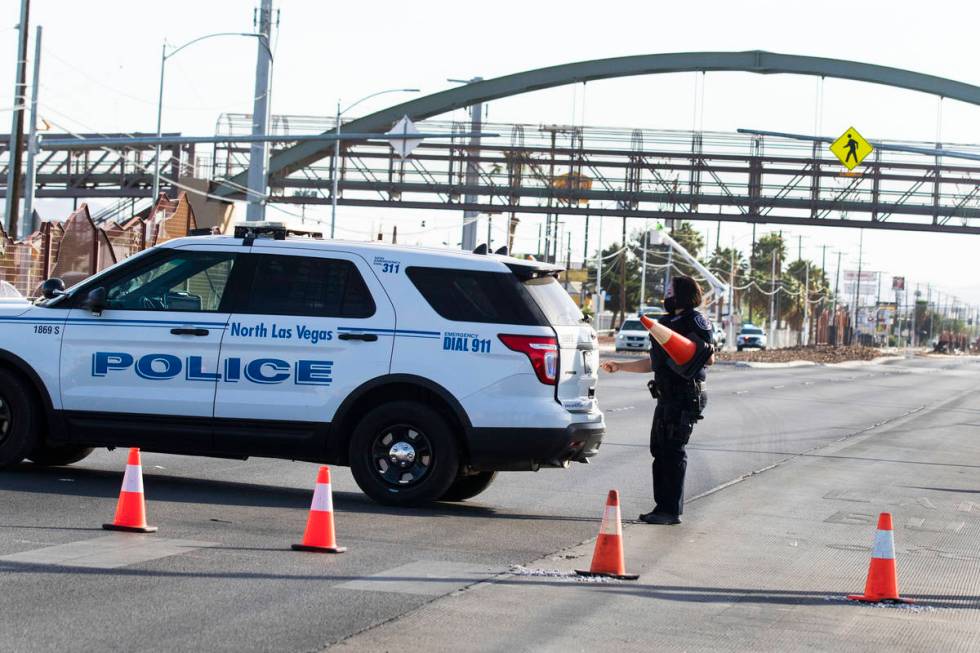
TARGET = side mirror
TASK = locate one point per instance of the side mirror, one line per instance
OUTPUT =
(96, 300)
(52, 288)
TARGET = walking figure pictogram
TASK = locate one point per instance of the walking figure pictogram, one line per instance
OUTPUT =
(852, 146)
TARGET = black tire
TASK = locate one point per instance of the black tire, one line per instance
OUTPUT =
(739, 348)
(59, 455)
(467, 487)
(434, 455)
(19, 419)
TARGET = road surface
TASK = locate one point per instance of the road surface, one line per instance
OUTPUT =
(219, 574)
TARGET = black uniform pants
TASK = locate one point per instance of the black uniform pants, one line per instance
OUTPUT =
(673, 423)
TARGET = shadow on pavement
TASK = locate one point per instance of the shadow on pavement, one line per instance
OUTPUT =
(100, 483)
(742, 595)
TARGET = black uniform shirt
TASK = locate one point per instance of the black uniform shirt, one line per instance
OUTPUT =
(689, 321)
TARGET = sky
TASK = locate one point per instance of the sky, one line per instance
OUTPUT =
(100, 68)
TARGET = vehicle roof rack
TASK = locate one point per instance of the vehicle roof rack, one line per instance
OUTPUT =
(271, 230)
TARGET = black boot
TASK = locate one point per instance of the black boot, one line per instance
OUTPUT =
(660, 518)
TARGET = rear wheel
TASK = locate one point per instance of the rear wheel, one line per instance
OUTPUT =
(19, 419)
(403, 453)
(56, 456)
(467, 487)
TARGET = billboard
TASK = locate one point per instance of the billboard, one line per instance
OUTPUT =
(868, 287)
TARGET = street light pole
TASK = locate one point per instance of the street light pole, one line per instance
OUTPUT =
(163, 63)
(156, 158)
(336, 151)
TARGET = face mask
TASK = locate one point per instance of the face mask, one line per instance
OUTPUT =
(670, 304)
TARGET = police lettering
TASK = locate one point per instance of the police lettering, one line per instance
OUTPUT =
(263, 371)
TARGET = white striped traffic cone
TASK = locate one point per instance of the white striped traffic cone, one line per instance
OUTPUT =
(882, 583)
(319, 536)
(607, 560)
(131, 509)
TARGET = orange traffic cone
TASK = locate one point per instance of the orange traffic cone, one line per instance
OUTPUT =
(882, 583)
(319, 536)
(607, 560)
(131, 510)
(687, 354)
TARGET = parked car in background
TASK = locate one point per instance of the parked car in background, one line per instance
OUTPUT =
(751, 337)
(632, 336)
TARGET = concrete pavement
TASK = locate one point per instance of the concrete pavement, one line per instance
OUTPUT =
(763, 565)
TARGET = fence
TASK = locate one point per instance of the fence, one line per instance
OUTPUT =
(79, 247)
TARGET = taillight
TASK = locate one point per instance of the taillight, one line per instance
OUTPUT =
(542, 351)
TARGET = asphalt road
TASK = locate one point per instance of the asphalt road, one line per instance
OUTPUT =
(235, 585)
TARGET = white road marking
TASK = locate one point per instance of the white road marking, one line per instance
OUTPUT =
(424, 578)
(107, 552)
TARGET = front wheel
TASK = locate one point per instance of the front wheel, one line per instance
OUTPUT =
(19, 420)
(467, 487)
(403, 453)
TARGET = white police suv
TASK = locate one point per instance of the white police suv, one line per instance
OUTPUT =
(425, 371)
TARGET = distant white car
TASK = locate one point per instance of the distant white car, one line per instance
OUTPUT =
(632, 336)
(751, 337)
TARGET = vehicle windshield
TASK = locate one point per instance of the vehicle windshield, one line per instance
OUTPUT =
(752, 330)
(633, 325)
(554, 302)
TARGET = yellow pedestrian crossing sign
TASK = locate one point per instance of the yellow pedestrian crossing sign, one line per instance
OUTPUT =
(851, 148)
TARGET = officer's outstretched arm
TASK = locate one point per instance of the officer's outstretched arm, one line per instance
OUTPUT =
(641, 365)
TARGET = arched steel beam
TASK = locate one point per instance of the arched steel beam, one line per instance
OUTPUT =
(753, 61)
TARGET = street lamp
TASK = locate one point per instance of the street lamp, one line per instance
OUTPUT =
(163, 62)
(336, 149)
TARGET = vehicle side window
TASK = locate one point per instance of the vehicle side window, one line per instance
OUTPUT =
(304, 285)
(475, 296)
(190, 281)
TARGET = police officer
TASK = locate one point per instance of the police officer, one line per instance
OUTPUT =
(680, 401)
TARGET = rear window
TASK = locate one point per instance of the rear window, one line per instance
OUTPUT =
(554, 302)
(476, 296)
(752, 330)
(633, 325)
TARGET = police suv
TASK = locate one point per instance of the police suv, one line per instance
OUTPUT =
(425, 371)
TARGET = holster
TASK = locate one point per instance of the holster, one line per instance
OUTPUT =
(654, 390)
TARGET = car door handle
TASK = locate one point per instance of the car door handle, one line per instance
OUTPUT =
(366, 337)
(188, 331)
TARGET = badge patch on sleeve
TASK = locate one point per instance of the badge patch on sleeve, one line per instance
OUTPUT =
(702, 322)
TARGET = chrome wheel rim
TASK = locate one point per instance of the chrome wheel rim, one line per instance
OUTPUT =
(401, 456)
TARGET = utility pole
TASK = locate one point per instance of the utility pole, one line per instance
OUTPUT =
(833, 314)
(857, 289)
(16, 145)
(622, 274)
(259, 153)
(751, 257)
(473, 173)
(643, 274)
(598, 303)
(806, 306)
(27, 224)
(772, 298)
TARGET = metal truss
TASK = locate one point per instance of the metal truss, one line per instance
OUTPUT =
(92, 171)
(556, 170)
